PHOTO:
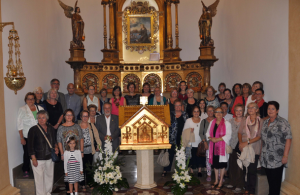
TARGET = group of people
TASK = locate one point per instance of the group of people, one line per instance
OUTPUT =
(231, 125)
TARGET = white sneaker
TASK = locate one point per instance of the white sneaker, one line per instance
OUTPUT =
(76, 193)
(71, 193)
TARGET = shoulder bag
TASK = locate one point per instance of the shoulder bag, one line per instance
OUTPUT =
(54, 157)
(163, 158)
(201, 152)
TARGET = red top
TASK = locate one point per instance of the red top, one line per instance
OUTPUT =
(238, 100)
(182, 96)
(114, 107)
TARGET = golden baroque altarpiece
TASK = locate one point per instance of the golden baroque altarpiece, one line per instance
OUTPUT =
(137, 28)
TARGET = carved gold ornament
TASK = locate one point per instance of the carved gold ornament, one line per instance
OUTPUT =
(88, 80)
(14, 79)
(140, 27)
(110, 81)
(194, 80)
(172, 81)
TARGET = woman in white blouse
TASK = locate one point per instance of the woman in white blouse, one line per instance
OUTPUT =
(194, 124)
(91, 99)
(27, 119)
(219, 134)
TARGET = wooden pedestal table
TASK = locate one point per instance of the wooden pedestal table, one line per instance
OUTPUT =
(145, 169)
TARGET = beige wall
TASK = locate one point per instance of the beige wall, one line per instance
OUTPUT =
(291, 184)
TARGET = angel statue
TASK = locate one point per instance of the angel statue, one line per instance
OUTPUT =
(205, 23)
(77, 24)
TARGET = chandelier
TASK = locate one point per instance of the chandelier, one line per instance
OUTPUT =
(14, 79)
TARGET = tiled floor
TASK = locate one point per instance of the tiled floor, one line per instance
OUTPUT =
(203, 189)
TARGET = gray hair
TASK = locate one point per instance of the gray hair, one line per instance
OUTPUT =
(38, 89)
(43, 112)
(190, 90)
(48, 94)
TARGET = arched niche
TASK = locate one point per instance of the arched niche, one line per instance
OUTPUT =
(120, 6)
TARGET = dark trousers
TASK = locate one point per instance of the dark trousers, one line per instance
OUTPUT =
(195, 161)
(87, 161)
(171, 157)
(251, 176)
(274, 177)
(235, 173)
(26, 157)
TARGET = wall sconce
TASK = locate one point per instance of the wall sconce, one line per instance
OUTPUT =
(14, 79)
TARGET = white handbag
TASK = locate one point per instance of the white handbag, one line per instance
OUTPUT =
(163, 158)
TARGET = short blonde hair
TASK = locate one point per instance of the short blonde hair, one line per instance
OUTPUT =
(240, 106)
(256, 107)
(38, 89)
(48, 94)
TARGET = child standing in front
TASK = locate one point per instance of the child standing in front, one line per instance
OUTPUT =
(73, 165)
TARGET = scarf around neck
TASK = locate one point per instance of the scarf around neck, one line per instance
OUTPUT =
(260, 103)
(161, 100)
(219, 147)
(256, 126)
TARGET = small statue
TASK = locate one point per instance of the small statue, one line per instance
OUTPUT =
(205, 23)
(77, 24)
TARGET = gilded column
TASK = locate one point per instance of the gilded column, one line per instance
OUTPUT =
(112, 39)
(104, 27)
(76, 67)
(169, 25)
(176, 24)
(206, 78)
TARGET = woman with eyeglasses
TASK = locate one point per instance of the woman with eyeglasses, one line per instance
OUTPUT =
(211, 99)
(27, 118)
(91, 99)
(250, 134)
(219, 134)
(92, 144)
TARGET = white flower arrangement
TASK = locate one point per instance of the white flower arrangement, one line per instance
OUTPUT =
(107, 174)
(181, 176)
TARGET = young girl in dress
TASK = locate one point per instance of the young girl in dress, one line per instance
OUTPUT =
(73, 165)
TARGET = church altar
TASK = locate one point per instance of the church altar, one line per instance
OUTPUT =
(139, 49)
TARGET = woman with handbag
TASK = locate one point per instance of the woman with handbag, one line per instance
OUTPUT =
(219, 135)
(194, 124)
(250, 134)
(40, 137)
(92, 143)
(235, 173)
(203, 129)
(178, 118)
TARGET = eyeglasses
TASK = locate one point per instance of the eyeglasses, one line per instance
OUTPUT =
(69, 114)
(30, 99)
(55, 83)
(85, 116)
(251, 108)
(218, 112)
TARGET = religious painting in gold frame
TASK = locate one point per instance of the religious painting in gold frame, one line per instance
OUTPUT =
(138, 19)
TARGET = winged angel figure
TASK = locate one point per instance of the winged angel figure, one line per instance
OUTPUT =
(205, 23)
(77, 24)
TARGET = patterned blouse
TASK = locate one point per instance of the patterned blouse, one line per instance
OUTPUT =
(174, 127)
(215, 103)
(274, 138)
